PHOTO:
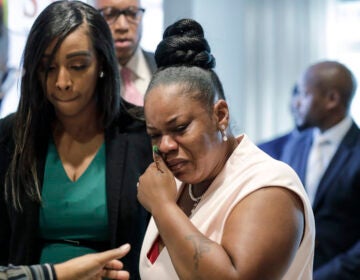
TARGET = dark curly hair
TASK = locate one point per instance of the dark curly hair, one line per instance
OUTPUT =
(184, 57)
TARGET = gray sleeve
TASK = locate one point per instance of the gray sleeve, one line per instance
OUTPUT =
(33, 272)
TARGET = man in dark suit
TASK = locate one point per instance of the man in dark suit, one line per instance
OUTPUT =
(275, 147)
(326, 90)
(124, 18)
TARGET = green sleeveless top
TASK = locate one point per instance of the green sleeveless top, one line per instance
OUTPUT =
(72, 210)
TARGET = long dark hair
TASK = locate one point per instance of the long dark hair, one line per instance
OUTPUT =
(184, 57)
(35, 113)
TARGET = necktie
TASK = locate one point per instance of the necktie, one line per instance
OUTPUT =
(132, 95)
(316, 166)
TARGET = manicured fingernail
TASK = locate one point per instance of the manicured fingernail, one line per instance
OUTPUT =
(124, 247)
(156, 149)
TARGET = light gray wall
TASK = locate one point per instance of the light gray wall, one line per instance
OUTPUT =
(261, 47)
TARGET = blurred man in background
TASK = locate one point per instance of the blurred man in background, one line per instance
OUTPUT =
(124, 18)
(276, 146)
(326, 159)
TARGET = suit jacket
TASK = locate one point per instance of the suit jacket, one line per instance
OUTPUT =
(150, 59)
(336, 206)
(128, 153)
(275, 147)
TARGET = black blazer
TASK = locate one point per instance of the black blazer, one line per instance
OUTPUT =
(128, 153)
(275, 147)
(336, 206)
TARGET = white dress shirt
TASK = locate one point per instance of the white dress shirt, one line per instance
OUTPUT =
(140, 70)
(332, 138)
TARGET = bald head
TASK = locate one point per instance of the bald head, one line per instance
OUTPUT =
(326, 90)
(332, 75)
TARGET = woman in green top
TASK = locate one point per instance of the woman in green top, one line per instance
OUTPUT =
(70, 158)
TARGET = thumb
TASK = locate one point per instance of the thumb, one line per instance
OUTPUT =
(113, 254)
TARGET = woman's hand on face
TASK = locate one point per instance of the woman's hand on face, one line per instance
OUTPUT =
(157, 185)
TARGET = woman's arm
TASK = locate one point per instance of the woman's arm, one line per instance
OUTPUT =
(90, 266)
(33, 272)
(260, 238)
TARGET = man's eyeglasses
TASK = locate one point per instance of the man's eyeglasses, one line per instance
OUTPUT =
(132, 14)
